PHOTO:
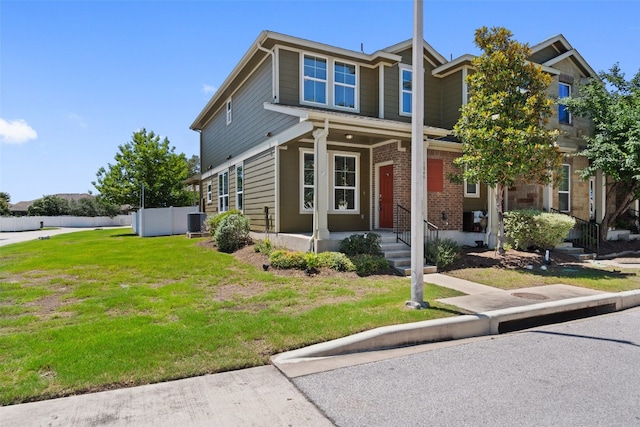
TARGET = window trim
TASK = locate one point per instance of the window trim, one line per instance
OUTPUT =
(563, 106)
(303, 186)
(210, 192)
(222, 196)
(568, 190)
(229, 111)
(240, 189)
(402, 68)
(474, 195)
(330, 83)
(334, 187)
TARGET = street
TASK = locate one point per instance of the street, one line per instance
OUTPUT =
(582, 373)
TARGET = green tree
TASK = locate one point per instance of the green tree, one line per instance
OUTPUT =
(145, 161)
(502, 127)
(93, 206)
(49, 206)
(194, 165)
(613, 104)
(5, 198)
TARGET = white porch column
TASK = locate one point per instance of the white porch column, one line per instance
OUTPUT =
(601, 195)
(321, 184)
(492, 221)
(547, 197)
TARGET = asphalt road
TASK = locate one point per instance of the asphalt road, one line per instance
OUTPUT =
(583, 373)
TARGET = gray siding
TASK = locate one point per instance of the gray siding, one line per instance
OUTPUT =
(289, 77)
(250, 121)
(451, 99)
(259, 189)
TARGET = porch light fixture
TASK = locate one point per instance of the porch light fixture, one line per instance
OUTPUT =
(349, 136)
(229, 157)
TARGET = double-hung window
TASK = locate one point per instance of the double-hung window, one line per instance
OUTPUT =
(307, 168)
(329, 82)
(344, 85)
(239, 187)
(471, 189)
(564, 91)
(345, 182)
(223, 191)
(315, 79)
(229, 108)
(405, 91)
(564, 189)
(209, 192)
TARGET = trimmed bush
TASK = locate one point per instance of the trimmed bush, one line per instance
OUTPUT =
(336, 261)
(358, 244)
(213, 221)
(284, 259)
(232, 233)
(263, 246)
(366, 264)
(537, 229)
(442, 252)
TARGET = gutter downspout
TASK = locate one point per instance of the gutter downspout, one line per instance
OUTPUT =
(274, 95)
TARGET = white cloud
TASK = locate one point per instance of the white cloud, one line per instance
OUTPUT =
(16, 132)
(76, 119)
(208, 88)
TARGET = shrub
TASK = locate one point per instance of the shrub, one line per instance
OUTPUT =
(442, 252)
(357, 244)
(232, 232)
(530, 228)
(263, 247)
(213, 221)
(284, 259)
(336, 261)
(366, 264)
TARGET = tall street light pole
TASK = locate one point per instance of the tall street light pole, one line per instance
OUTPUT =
(417, 161)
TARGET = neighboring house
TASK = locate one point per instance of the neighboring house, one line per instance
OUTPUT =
(307, 138)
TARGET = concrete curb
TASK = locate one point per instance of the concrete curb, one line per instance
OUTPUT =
(459, 327)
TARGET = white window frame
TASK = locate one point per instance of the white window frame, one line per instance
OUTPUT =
(401, 90)
(335, 186)
(229, 110)
(223, 198)
(329, 83)
(567, 191)
(240, 188)
(303, 186)
(210, 192)
(570, 118)
(472, 195)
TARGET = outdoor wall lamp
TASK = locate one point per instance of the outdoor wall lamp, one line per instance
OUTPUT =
(349, 136)
(444, 216)
(229, 157)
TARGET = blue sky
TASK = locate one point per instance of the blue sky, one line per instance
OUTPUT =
(77, 78)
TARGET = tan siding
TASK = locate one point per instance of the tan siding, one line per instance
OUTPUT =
(259, 189)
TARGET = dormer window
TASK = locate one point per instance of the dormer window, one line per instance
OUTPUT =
(328, 82)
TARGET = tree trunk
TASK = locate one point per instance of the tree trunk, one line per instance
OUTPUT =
(500, 212)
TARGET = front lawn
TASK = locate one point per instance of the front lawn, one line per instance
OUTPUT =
(103, 309)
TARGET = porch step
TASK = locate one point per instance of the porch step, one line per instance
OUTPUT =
(399, 256)
(577, 253)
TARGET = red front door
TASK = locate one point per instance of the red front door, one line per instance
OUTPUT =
(386, 196)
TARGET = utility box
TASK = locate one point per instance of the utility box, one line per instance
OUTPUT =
(195, 221)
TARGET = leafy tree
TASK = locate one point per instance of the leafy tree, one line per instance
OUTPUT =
(502, 127)
(49, 206)
(194, 165)
(5, 198)
(93, 206)
(145, 161)
(614, 147)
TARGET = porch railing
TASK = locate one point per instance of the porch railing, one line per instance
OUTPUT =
(403, 227)
(585, 234)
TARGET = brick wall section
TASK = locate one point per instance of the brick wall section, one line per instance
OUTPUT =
(449, 200)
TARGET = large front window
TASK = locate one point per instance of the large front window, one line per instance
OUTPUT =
(345, 85)
(223, 191)
(564, 189)
(315, 79)
(564, 91)
(345, 182)
(405, 91)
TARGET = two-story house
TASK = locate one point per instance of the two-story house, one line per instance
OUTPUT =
(309, 139)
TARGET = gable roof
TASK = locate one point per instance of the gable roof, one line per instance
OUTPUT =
(564, 51)
(399, 47)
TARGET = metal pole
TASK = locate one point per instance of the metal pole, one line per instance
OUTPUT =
(417, 161)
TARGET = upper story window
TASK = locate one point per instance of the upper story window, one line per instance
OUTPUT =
(223, 191)
(405, 91)
(229, 109)
(315, 79)
(329, 82)
(564, 91)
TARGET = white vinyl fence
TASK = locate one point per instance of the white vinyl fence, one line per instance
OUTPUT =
(161, 221)
(27, 223)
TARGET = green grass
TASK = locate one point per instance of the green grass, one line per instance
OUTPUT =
(102, 309)
(608, 279)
